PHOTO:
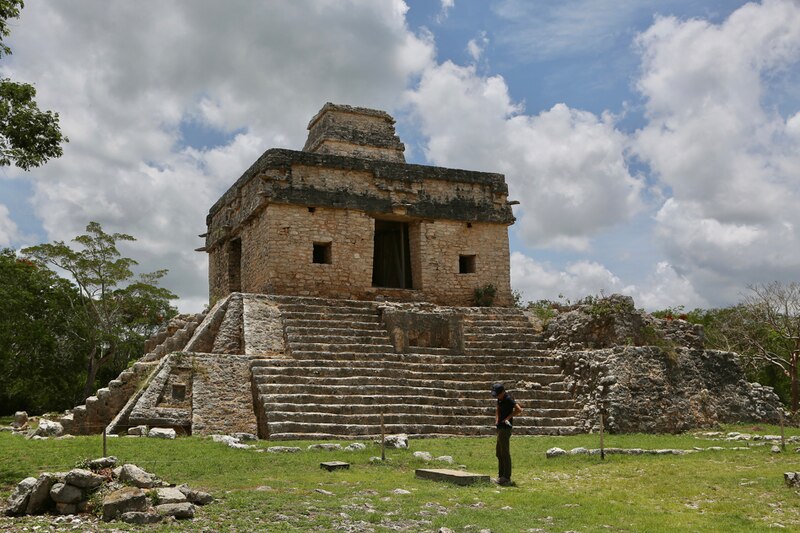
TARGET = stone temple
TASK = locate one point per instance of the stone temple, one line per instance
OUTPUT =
(342, 285)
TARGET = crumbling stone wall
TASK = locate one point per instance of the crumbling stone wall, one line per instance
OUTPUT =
(650, 375)
(653, 390)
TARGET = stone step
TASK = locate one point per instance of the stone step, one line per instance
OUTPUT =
(530, 356)
(407, 418)
(507, 336)
(539, 364)
(288, 308)
(330, 317)
(368, 389)
(115, 384)
(295, 430)
(337, 329)
(485, 410)
(324, 338)
(330, 324)
(90, 401)
(551, 381)
(349, 348)
(504, 352)
(490, 320)
(496, 329)
(505, 344)
(529, 399)
(313, 300)
(429, 350)
(281, 374)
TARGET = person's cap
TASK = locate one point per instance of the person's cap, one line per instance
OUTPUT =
(497, 388)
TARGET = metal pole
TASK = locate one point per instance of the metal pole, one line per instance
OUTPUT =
(783, 437)
(602, 430)
(105, 451)
(383, 441)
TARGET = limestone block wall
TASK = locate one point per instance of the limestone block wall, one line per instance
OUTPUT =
(277, 257)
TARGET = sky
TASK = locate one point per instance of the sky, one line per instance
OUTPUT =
(654, 146)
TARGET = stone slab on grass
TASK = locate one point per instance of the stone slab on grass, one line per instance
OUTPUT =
(330, 466)
(458, 477)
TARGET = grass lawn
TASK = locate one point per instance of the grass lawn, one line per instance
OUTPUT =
(708, 491)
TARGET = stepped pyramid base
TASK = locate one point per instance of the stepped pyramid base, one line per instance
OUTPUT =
(302, 367)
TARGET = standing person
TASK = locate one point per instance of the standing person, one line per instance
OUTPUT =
(507, 409)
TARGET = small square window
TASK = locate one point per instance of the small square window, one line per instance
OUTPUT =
(466, 264)
(322, 253)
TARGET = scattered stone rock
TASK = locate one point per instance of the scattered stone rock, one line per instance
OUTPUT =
(84, 479)
(554, 452)
(66, 436)
(123, 500)
(445, 459)
(161, 433)
(196, 496)
(792, 479)
(180, 511)
(137, 477)
(101, 463)
(138, 431)
(18, 501)
(578, 451)
(244, 437)
(66, 508)
(776, 449)
(355, 446)
(425, 456)
(47, 428)
(323, 491)
(140, 518)
(283, 449)
(166, 495)
(40, 493)
(401, 491)
(327, 446)
(20, 420)
(399, 441)
(231, 442)
(445, 530)
(64, 493)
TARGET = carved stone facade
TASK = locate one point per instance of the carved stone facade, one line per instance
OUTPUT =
(348, 218)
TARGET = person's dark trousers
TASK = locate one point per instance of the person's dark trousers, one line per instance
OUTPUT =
(504, 452)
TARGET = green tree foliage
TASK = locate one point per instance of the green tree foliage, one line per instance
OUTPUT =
(29, 137)
(41, 352)
(116, 310)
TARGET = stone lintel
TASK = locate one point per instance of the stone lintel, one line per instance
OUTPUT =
(453, 476)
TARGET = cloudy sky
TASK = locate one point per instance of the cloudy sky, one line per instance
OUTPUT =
(654, 145)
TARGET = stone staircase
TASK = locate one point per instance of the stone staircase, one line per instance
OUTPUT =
(101, 408)
(341, 372)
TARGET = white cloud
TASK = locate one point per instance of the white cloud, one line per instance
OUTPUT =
(565, 166)
(664, 287)
(477, 45)
(9, 232)
(731, 162)
(124, 78)
(447, 5)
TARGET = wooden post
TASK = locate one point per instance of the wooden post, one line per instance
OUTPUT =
(602, 430)
(783, 437)
(105, 451)
(383, 441)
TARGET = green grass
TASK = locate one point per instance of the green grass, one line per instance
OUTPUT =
(708, 491)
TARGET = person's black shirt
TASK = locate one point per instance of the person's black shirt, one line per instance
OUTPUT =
(506, 406)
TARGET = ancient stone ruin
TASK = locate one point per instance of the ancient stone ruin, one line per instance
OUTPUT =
(343, 284)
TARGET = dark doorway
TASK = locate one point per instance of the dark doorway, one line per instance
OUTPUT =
(391, 263)
(235, 265)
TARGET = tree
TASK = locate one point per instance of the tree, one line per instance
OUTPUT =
(770, 320)
(29, 137)
(117, 310)
(40, 352)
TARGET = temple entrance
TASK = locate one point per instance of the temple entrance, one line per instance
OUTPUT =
(391, 263)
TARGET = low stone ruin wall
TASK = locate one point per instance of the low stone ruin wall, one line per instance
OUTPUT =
(664, 390)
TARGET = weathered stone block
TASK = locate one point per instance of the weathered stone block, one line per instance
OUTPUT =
(123, 500)
(65, 493)
(458, 477)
